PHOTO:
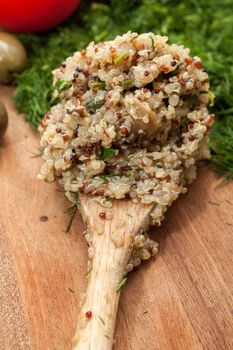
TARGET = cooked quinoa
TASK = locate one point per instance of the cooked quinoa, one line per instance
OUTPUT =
(130, 121)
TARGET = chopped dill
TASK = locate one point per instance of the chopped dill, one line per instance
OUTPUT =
(126, 83)
(71, 211)
(102, 320)
(152, 43)
(119, 58)
(106, 177)
(94, 104)
(121, 284)
(100, 84)
(62, 85)
(107, 152)
(88, 272)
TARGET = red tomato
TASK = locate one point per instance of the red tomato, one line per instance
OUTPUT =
(34, 15)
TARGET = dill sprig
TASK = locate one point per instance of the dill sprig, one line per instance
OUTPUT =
(72, 212)
(221, 145)
(88, 272)
(121, 284)
(204, 26)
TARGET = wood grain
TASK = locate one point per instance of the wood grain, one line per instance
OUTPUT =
(111, 240)
(183, 299)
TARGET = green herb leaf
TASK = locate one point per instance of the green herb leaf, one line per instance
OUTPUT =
(94, 104)
(105, 177)
(126, 83)
(102, 320)
(152, 43)
(59, 86)
(100, 84)
(211, 97)
(119, 58)
(62, 85)
(54, 100)
(72, 212)
(221, 145)
(107, 152)
(88, 272)
(121, 284)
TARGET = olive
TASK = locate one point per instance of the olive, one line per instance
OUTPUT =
(13, 57)
(3, 119)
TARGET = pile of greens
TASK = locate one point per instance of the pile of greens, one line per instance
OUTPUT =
(204, 26)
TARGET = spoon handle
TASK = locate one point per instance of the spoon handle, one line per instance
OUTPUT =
(95, 329)
(110, 242)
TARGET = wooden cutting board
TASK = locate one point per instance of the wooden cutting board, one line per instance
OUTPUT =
(181, 300)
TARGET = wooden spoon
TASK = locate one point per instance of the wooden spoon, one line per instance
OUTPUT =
(112, 246)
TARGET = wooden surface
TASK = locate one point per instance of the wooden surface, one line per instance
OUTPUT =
(182, 299)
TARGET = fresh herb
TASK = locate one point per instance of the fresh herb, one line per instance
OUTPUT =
(126, 83)
(94, 104)
(58, 87)
(55, 99)
(70, 290)
(221, 145)
(85, 114)
(102, 320)
(71, 211)
(107, 152)
(145, 312)
(204, 26)
(211, 97)
(106, 177)
(119, 58)
(106, 336)
(152, 43)
(88, 272)
(121, 284)
(100, 84)
(131, 216)
(62, 85)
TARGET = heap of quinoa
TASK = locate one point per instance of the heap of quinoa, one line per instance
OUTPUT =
(130, 121)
